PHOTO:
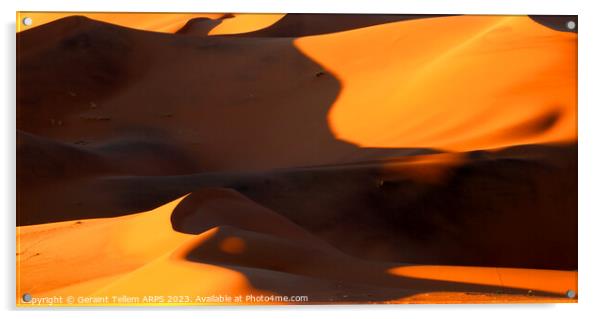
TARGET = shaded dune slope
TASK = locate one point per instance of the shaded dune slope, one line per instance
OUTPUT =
(199, 26)
(244, 244)
(91, 77)
(434, 209)
(158, 22)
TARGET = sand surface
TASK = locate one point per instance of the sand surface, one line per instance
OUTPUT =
(350, 159)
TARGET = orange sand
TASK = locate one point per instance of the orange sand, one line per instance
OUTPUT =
(498, 76)
(242, 23)
(453, 83)
(141, 255)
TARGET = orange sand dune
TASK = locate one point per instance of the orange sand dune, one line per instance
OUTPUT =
(294, 25)
(142, 255)
(101, 244)
(145, 21)
(81, 108)
(374, 161)
(459, 197)
(439, 88)
(458, 83)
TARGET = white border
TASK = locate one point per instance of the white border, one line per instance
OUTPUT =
(590, 155)
(308, 6)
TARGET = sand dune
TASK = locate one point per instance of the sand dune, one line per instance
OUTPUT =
(349, 159)
(376, 202)
(300, 96)
(159, 22)
(299, 25)
(262, 253)
(243, 23)
(486, 73)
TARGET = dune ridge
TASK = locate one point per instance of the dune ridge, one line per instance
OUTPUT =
(160, 22)
(456, 77)
(263, 266)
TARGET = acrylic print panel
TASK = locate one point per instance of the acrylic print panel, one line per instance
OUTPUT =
(244, 159)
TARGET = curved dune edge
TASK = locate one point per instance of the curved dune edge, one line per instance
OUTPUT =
(527, 95)
(160, 22)
(142, 255)
(241, 23)
(99, 244)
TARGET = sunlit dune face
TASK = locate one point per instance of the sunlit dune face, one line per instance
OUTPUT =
(168, 276)
(241, 23)
(553, 281)
(232, 245)
(135, 255)
(107, 247)
(455, 83)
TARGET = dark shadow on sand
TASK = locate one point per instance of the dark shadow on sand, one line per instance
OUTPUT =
(286, 261)
(226, 104)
